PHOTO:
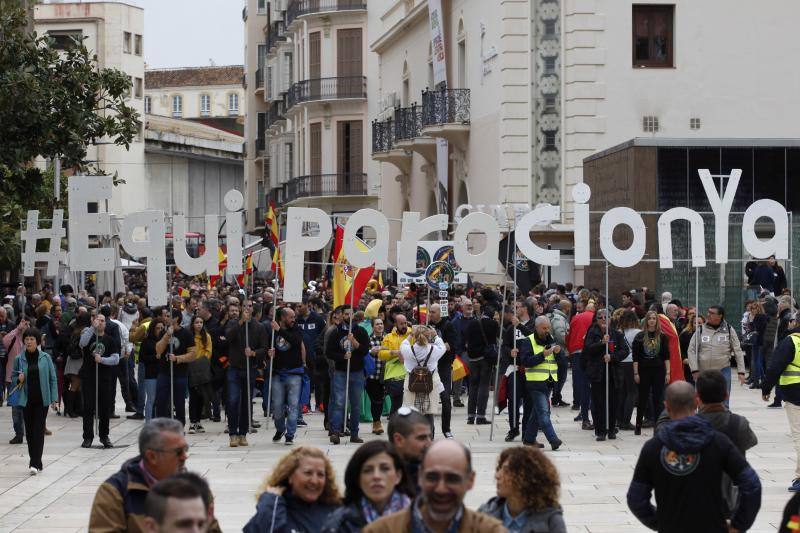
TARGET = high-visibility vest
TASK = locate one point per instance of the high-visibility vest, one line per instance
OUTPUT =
(791, 374)
(547, 369)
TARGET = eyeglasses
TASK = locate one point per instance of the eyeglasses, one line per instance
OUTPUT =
(407, 410)
(449, 478)
(183, 450)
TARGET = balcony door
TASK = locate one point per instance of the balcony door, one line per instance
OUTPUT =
(314, 65)
(350, 159)
(315, 154)
(349, 63)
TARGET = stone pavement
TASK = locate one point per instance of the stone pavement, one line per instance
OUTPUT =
(594, 475)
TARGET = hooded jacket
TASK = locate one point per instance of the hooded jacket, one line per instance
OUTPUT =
(287, 514)
(683, 463)
(712, 348)
(394, 368)
(551, 520)
(781, 357)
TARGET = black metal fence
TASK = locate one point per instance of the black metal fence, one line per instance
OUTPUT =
(328, 89)
(299, 8)
(445, 106)
(408, 122)
(259, 78)
(277, 34)
(383, 135)
(345, 184)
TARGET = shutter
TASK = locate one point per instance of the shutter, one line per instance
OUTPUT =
(349, 62)
(350, 164)
(315, 142)
(314, 63)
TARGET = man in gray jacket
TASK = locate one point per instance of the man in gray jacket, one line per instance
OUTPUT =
(713, 346)
(559, 320)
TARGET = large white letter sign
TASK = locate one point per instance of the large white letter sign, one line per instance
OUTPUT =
(82, 191)
(208, 261)
(632, 219)
(581, 193)
(778, 245)
(413, 230)
(697, 236)
(541, 215)
(485, 261)
(298, 244)
(356, 253)
(721, 208)
(233, 226)
(153, 249)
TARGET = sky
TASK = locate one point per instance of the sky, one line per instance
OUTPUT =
(192, 33)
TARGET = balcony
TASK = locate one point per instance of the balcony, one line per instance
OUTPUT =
(261, 146)
(343, 88)
(276, 34)
(300, 8)
(384, 145)
(316, 186)
(276, 113)
(259, 80)
(446, 114)
(408, 132)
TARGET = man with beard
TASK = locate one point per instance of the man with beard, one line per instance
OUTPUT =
(289, 362)
(100, 357)
(515, 335)
(445, 478)
(447, 332)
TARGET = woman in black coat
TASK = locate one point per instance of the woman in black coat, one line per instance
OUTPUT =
(602, 351)
(650, 367)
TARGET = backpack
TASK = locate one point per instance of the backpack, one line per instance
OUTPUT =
(420, 380)
(74, 349)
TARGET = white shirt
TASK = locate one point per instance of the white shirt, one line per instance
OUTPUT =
(415, 356)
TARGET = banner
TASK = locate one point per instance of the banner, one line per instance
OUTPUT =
(439, 81)
(528, 273)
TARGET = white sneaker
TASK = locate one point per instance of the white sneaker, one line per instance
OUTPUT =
(33, 470)
(192, 429)
(200, 428)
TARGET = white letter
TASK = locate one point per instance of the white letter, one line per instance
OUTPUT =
(541, 215)
(298, 244)
(379, 254)
(153, 249)
(581, 194)
(192, 266)
(458, 214)
(632, 219)
(778, 245)
(486, 261)
(413, 229)
(697, 235)
(233, 229)
(721, 209)
(82, 191)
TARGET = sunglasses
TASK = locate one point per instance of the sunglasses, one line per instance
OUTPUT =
(183, 450)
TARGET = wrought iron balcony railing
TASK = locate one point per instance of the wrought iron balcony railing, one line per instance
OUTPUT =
(276, 112)
(298, 8)
(261, 145)
(408, 122)
(344, 184)
(277, 34)
(259, 78)
(383, 135)
(445, 106)
(328, 89)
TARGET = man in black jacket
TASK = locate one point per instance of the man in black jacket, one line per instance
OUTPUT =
(447, 332)
(481, 342)
(100, 356)
(516, 332)
(289, 362)
(684, 463)
(345, 345)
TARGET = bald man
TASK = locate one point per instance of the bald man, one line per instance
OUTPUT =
(445, 478)
(684, 463)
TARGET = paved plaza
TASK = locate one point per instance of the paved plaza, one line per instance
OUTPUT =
(594, 475)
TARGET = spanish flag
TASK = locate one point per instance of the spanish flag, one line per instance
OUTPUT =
(271, 227)
(346, 289)
(222, 261)
(277, 264)
(244, 278)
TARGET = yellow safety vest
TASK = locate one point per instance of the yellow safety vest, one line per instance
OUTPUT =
(547, 369)
(791, 373)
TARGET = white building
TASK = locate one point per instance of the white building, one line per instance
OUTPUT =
(114, 32)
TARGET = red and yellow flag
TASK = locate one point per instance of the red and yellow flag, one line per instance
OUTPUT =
(222, 261)
(274, 236)
(244, 278)
(348, 288)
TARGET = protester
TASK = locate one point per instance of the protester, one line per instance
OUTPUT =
(447, 332)
(445, 478)
(714, 345)
(559, 320)
(36, 374)
(581, 395)
(683, 463)
(462, 323)
(288, 355)
(178, 504)
(298, 495)
(12, 342)
(376, 485)
(515, 336)
(174, 350)
(537, 357)
(627, 389)
(100, 356)
(410, 434)
(199, 375)
(373, 385)
(651, 367)
(394, 374)
(527, 492)
(119, 504)
(684, 338)
(313, 326)
(72, 368)
(481, 342)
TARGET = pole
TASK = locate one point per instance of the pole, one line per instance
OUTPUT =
(696, 311)
(96, 390)
(428, 307)
(350, 347)
(171, 376)
(514, 345)
(500, 340)
(608, 326)
(272, 345)
(57, 196)
(250, 429)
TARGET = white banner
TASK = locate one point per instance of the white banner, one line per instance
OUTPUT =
(439, 80)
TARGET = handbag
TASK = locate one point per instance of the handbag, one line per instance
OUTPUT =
(14, 396)
(370, 366)
(490, 349)
(420, 380)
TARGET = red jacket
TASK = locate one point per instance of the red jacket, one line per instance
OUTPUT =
(578, 327)
(675, 361)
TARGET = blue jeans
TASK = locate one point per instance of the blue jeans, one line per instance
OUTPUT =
(581, 391)
(148, 388)
(16, 415)
(285, 397)
(141, 391)
(726, 373)
(539, 416)
(354, 399)
(236, 408)
(757, 364)
(178, 397)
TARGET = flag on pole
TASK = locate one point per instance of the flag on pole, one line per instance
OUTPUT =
(277, 264)
(222, 264)
(346, 288)
(271, 229)
(243, 279)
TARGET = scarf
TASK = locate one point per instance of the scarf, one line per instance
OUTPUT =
(397, 503)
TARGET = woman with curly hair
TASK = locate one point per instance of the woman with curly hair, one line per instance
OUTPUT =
(527, 492)
(376, 485)
(298, 496)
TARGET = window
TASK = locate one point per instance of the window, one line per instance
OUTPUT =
(650, 124)
(550, 65)
(139, 132)
(694, 123)
(130, 87)
(549, 140)
(138, 87)
(126, 42)
(205, 105)
(288, 161)
(233, 104)
(550, 27)
(177, 106)
(653, 35)
(137, 44)
(148, 105)
(269, 83)
(65, 39)
(262, 7)
(549, 103)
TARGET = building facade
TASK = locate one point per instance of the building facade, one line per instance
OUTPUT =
(114, 33)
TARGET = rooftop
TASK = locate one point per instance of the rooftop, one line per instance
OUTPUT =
(193, 76)
(698, 142)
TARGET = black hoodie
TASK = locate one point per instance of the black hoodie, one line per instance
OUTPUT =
(781, 357)
(684, 463)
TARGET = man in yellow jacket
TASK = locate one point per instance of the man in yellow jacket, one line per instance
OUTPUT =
(394, 375)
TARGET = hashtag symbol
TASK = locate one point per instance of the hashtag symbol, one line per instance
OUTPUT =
(32, 234)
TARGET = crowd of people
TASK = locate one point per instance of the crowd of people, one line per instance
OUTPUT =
(400, 358)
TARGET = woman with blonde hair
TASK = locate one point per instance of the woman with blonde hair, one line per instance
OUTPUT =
(298, 495)
(423, 349)
(527, 492)
(684, 338)
(650, 367)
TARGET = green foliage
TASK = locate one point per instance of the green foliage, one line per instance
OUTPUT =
(52, 103)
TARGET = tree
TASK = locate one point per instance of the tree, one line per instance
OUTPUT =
(52, 104)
